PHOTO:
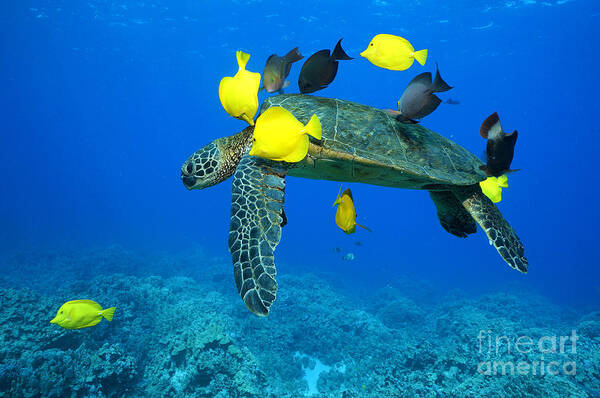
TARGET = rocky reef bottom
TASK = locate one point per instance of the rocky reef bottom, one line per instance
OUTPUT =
(191, 336)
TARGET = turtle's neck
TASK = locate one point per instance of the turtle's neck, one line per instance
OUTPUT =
(234, 147)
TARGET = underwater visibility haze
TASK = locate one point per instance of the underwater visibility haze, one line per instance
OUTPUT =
(119, 276)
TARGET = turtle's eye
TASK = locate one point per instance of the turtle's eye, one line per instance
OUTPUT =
(189, 168)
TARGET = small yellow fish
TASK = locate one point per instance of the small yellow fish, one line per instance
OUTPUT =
(345, 216)
(393, 52)
(239, 94)
(492, 187)
(279, 136)
(79, 314)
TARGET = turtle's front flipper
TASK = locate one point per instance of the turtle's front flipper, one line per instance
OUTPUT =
(499, 232)
(453, 216)
(255, 230)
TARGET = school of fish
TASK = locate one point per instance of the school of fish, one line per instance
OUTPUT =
(279, 136)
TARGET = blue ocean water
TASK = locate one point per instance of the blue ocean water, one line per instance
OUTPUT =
(101, 103)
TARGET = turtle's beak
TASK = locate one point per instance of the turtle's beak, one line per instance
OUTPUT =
(188, 180)
(187, 174)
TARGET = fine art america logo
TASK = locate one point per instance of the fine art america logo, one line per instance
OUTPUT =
(539, 356)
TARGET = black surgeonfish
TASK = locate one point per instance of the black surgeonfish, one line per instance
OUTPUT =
(320, 69)
(418, 99)
(500, 146)
(277, 69)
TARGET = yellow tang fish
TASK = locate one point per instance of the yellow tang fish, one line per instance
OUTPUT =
(279, 136)
(492, 187)
(345, 216)
(393, 52)
(239, 94)
(79, 314)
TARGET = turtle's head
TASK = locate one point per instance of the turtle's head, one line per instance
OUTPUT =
(216, 162)
(202, 169)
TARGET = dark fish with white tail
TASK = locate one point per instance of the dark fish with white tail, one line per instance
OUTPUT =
(418, 99)
(320, 69)
(500, 146)
(277, 69)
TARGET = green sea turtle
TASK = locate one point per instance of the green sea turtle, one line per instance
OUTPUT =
(360, 144)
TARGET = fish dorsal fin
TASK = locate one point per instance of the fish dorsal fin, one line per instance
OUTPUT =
(89, 302)
(242, 59)
(276, 114)
(439, 85)
(319, 53)
(422, 78)
(402, 40)
(491, 128)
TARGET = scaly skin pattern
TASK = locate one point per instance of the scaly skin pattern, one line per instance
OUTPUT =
(233, 148)
(499, 232)
(255, 229)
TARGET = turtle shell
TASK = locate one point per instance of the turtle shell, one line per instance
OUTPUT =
(364, 144)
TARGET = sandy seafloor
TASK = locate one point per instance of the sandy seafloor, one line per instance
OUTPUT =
(191, 336)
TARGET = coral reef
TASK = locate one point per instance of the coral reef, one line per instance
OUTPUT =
(190, 335)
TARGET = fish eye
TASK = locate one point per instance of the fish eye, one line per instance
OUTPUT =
(61, 312)
(371, 44)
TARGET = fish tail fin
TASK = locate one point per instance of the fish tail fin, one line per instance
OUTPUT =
(503, 181)
(490, 126)
(108, 313)
(439, 85)
(242, 59)
(367, 228)
(313, 127)
(293, 56)
(512, 137)
(339, 53)
(420, 56)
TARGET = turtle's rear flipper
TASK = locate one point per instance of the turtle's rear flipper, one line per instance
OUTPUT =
(255, 230)
(499, 232)
(453, 216)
